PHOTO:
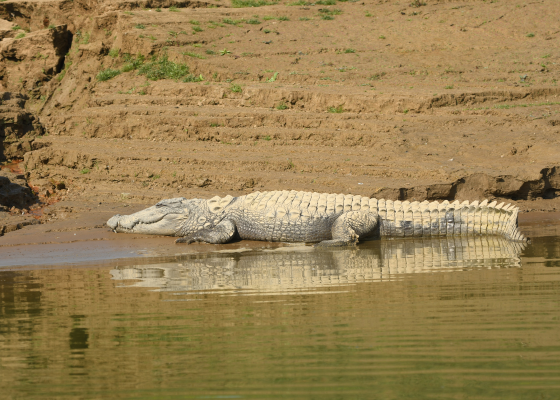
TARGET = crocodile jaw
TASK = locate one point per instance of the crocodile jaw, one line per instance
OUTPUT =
(156, 220)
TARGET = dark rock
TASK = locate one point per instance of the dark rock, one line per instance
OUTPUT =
(14, 191)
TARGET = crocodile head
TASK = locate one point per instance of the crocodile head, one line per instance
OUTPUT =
(172, 217)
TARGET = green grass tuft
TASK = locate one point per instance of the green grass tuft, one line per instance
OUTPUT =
(107, 74)
(251, 3)
(191, 54)
(193, 78)
(161, 68)
(336, 110)
(132, 63)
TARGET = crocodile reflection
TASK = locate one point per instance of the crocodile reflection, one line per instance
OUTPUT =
(288, 269)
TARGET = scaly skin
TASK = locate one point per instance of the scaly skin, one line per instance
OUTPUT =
(330, 219)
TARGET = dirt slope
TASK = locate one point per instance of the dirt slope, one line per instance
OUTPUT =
(401, 100)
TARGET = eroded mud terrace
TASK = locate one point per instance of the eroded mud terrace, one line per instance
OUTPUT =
(447, 100)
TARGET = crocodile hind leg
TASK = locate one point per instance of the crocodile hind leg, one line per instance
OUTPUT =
(349, 227)
(219, 234)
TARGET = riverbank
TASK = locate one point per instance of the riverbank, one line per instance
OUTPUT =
(112, 106)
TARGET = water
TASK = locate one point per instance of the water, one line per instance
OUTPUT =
(444, 319)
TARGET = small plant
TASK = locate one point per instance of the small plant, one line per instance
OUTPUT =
(253, 22)
(349, 51)
(327, 17)
(194, 22)
(211, 52)
(140, 26)
(266, 30)
(326, 2)
(273, 78)
(51, 27)
(132, 63)
(236, 88)
(16, 28)
(251, 3)
(449, 87)
(85, 171)
(267, 138)
(197, 29)
(281, 106)
(381, 37)
(283, 18)
(229, 21)
(377, 77)
(334, 11)
(85, 38)
(21, 35)
(223, 52)
(173, 9)
(336, 110)
(114, 53)
(191, 54)
(107, 74)
(193, 78)
(268, 17)
(158, 9)
(304, 19)
(530, 35)
(417, 3)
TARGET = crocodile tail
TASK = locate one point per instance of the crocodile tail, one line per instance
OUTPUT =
(510, 229)
(425, 219)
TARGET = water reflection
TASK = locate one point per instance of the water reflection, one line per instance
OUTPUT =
(287, 269)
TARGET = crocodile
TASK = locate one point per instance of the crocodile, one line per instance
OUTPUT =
(322, 218)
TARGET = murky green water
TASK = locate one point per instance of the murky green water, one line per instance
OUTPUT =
(443, 319)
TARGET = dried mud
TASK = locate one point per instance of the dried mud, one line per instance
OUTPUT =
(449, 100)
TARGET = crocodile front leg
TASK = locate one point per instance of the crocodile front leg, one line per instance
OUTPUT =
(349, 227)
(221, 233)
